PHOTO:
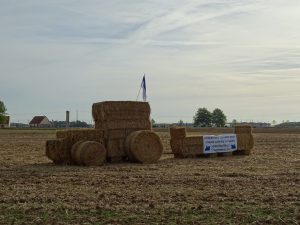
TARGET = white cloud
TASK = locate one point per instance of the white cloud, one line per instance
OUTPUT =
(241, 56)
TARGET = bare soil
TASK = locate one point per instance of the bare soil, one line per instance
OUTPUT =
(263, 188)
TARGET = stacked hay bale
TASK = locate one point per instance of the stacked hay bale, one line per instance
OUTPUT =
(121, 115)
(193, 146)
(60, 149)
(183, 146)
(119, 119)
(178, 134)
(116, 122)
(245, 139)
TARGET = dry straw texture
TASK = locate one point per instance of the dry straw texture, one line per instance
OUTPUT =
(89, 153)
(176, 145)
(123, 124)
(75, 154)
(115, 148)
(193, 145)
(144, 146)
(177, 132)
(243, 129)
(120, 110)
(52, 150)
(115, 134)
(58, 151)
(74, 135)
(245, 139)
(113, 115)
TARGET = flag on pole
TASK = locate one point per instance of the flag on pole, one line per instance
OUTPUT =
(143, 86)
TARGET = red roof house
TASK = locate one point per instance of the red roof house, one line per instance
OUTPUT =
(40, 122)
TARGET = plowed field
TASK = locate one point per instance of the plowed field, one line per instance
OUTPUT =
(263, 188)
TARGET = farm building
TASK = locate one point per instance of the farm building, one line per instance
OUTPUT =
(40, 122)
(5, 123)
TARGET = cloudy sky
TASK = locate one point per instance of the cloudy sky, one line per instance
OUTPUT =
(242, 56)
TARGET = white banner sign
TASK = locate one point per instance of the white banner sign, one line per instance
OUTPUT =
(219, 143)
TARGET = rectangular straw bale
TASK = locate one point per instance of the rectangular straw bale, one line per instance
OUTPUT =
(112, 110)
(115, 134)
(243, 129)
(245, 141)
(176, 145)
(115, 148)
(123, 115)
(124, 124)
(129, 131)
(178, 132)
(74, 135)
(193, 145)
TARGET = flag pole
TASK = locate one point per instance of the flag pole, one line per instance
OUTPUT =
(139, 91)
(138, 94)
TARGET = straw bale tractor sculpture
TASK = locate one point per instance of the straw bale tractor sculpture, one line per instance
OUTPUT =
(122, 133)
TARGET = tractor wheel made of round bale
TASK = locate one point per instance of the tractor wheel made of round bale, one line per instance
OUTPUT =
(75, 154)
(91, 153)
(54, 149)
(144, 146)
(51, 150)
(127, 146)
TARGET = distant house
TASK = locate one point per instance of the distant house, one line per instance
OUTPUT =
(5, 123)
(40, 122)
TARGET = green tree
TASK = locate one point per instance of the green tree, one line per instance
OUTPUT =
(180, 123)
(218, 118)
(152, 121)
(202, 118)
(234, 121)
(2, 112)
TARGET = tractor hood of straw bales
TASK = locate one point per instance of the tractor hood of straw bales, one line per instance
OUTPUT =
(120, 110)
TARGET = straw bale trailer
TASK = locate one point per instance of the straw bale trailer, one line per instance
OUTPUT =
(122, 133)
(184, 146)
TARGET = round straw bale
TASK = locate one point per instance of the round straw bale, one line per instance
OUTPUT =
(178, 132)
(144, 146)
(89, 153)
(75, 154)
(57, 150)
(52, 152)
(128, 146)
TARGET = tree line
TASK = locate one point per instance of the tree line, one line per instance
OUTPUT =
(205, 118)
